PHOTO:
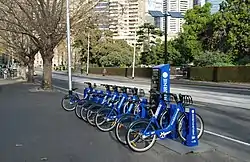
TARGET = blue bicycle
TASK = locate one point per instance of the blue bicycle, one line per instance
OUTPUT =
(109, 99)
(107, 117)
(147, 130)
(70, 102)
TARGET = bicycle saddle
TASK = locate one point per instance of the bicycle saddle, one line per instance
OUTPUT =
(148, 107)
(73, 89)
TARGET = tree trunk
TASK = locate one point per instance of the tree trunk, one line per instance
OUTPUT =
(22, 72)
(31, 70)
(47, 73)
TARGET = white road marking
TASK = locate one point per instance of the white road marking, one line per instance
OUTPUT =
(205, 131)
(227, 138)
(201, 105)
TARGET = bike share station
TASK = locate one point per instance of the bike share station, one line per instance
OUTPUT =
(171, 136)
(161, 82)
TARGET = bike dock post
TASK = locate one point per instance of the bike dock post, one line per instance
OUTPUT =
(192, 139)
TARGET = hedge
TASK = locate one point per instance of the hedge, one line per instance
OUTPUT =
(221, 74)
(126, 72)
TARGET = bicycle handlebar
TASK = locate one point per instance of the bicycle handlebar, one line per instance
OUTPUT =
(88, 83)
(184, 99)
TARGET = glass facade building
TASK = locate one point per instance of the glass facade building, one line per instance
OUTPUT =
(215, 4)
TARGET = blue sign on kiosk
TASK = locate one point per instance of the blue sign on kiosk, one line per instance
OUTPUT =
(164, 77)
(161, 82)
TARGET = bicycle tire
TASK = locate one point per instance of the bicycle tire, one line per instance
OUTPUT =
(67, 97)
(79, 108)
(129, 143)
(100, 124)
(163, 114)
(125, 107)
(120, 123)
(179, 126)
(84, 109)
(91, 113)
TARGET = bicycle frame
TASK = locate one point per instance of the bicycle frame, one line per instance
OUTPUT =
(162, 132)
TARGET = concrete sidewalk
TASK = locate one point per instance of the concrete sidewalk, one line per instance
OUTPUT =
(10, 81)
(37, 129)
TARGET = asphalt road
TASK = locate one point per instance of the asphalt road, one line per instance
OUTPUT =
(227, 127)
(35, 128)
(243, 89)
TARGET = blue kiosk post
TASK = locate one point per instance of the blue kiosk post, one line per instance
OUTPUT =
(160, 81)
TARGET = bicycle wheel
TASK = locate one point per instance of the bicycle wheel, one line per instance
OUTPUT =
(125, 107)
(183, 126)
(105, 119)
(84, 109)
(78, 108)
(122, 126)
(91, 113)
(68, 102)
(134, 136)
(137, 110)
(164, 119)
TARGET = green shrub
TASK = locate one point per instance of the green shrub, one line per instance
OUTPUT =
(216, 58)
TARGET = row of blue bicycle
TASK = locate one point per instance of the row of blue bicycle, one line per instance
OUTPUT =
(136, 122)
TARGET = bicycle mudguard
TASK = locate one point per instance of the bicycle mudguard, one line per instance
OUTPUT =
(125, 115)
(82, 102)
(141, 119)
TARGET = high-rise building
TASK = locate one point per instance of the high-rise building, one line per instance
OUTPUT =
(175, 24)
(215, 4)
(102, 9)
(125, 17)
(156, 5)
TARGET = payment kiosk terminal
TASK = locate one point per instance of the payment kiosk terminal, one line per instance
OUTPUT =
(160, 80)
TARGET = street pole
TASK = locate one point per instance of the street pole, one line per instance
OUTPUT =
(69, 48)
(133, 64)
(88, 56)
(166, 38)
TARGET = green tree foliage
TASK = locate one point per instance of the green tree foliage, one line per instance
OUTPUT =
(209, 58)
(190, 41)
(222, 38)
(232, 28)
(147, 36)
(104, 51)
(207, 39)
(116, 53)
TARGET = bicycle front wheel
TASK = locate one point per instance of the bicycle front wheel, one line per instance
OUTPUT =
(183, 127)
(84, 109)
(69, 103)
(105, 119)
(125, 107)
(122, 126)
(91, 113)
(134, 136)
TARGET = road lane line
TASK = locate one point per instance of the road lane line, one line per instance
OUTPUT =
(205, 131)
(227, 138)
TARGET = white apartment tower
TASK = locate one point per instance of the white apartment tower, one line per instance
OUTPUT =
(125, 17)
(175, 24)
